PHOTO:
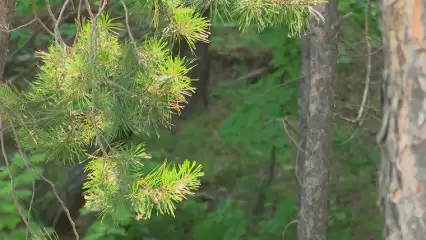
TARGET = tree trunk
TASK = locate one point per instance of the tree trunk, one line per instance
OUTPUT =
(319, 56)
(403, 134)
(7, 11)
(303, 102)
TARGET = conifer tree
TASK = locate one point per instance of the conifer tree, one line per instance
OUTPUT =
(89, 93)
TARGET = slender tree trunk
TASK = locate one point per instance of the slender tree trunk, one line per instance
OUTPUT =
(7, 11)
(403, 134)
(303, 103)
(316, 101)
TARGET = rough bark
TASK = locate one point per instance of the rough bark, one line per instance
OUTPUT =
(403, 134)
(316, 126)
(7, 11)
(303, 102)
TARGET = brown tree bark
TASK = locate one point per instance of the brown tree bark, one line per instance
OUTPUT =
(319, 57)
(403, 134)
(7, 11)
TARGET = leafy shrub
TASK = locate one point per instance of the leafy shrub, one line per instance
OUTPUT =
(227, 222)
(256, 124)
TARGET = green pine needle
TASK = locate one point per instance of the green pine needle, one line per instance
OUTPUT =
(82, 94)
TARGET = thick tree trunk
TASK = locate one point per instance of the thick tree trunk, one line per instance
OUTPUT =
(403, 134)
(316, 101)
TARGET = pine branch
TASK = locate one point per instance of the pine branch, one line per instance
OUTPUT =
(98, 89)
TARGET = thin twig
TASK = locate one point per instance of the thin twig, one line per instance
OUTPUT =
(59, 20)
(286, 227)
(285, 123)
(367, 76)
(12, 179)
(126, 13)
(78, 21)
(52, 185)
(299, 149)
(49, 10)
(27, 234)
(360, 54)
(89, 9)
(23, 25)
(34, 7)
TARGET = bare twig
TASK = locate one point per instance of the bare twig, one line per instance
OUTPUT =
(80, 2)
(52, 185)
(367, 76)
(49, 10)
(12, 179)
(286, 227)
(23, 25)
(126, 13)
(299, 149)
(34, 7)
(59, 20)
(285, 123)
(360, 54)
(89, 9)
(27, 235)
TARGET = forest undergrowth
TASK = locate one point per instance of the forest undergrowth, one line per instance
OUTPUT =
(233, 140)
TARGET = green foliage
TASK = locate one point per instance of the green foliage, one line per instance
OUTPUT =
(10, 227)
(177, 20)
(355, 33)
(67, 29)
(357, 11)
(264, 13)
(24, 7)
(78, 104)
(284, 214)
(160, 188)
(355, 162)
(88, 95)
(228, 222)
(108, 229)
(21, 35)
(257, 123)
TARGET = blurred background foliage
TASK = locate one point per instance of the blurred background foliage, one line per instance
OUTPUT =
(244, 139)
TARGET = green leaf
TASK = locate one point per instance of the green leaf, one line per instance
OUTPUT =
(345, 59)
